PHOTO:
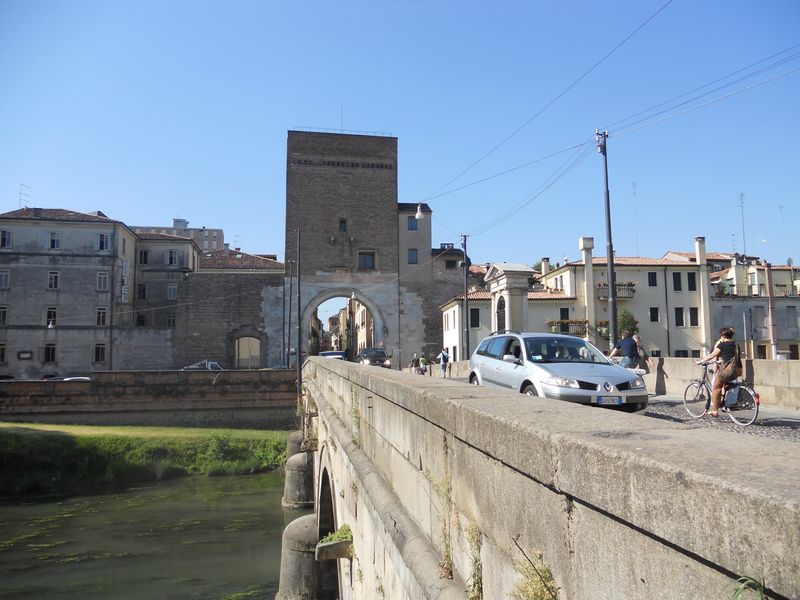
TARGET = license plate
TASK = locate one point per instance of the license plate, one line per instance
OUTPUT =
(609, 400)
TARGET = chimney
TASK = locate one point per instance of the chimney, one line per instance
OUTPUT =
(545, 265)
(700, 250)
(226, 248)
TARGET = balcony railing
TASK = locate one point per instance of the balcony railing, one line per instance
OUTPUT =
(568, 326)
(625, 291)
(726, 290)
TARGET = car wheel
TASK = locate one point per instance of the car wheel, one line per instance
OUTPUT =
(529, 390)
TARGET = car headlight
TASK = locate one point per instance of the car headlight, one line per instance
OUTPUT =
(387, 363)
(561, 382)
(365, 361)
(637, 383)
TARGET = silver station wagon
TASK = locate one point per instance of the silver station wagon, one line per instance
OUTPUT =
(561, 367)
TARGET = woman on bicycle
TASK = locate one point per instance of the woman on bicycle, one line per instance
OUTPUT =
(724, 350)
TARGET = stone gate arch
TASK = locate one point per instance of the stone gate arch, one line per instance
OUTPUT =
(380, 330)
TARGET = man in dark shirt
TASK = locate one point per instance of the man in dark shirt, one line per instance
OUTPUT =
(628, 349)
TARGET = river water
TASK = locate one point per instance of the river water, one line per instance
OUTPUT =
(189, 538)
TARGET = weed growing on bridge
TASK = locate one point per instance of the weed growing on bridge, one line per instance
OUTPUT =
(537, 581)
(444, 489)
(475, 538)
(355, 410)
(748, 583)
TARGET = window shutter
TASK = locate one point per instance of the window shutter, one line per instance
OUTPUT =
(166, 257)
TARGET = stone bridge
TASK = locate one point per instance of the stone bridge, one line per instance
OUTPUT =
(454, 491)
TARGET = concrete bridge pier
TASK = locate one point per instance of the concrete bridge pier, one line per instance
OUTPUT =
(298, 486)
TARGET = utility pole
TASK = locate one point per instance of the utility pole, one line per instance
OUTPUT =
(744, 242)
(299, 328)
(465, 346)
(289, 322)
(600, 138)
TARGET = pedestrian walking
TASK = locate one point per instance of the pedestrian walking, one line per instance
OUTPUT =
(443, 357)
(627, 348)
(645, 362)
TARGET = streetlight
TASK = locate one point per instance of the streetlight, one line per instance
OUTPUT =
(600, 138)
(419, 214)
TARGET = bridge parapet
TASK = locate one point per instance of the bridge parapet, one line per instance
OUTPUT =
(437, 478)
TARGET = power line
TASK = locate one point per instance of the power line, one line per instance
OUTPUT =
(554, 100)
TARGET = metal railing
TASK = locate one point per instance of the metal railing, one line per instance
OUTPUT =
(624, 292)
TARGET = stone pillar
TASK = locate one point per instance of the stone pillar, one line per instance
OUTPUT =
(299, 567)
(586, 244)
(707, 336)
(298, 487)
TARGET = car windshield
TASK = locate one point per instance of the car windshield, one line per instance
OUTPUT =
(375, 352)
(558, 349)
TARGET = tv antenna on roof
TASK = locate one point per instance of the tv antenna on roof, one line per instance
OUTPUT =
(24, 192)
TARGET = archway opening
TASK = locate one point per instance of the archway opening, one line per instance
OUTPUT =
(341, 324)
(247, 353)
(501, 314)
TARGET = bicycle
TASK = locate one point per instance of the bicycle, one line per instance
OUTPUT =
(740, 401)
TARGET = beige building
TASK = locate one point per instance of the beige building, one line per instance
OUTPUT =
(680, 301)
(206, 239)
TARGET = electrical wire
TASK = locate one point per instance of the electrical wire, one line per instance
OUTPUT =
(554, 100)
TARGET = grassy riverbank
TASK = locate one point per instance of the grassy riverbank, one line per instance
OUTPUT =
(36, 457)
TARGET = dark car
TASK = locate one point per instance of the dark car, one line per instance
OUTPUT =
(334, 354)
(377, 357)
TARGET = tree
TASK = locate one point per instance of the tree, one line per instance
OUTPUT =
(625, 320)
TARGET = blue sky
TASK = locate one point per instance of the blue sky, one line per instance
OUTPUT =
(151, 110)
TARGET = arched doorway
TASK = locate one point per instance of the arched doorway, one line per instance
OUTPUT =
(500, 313)
(247, 352)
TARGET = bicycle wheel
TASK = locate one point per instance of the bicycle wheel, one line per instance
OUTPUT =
(745, 410)
(696, 399)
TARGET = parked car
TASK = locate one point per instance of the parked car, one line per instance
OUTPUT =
(561, 367)
(204, 365)
(376, 357)
(335, 354)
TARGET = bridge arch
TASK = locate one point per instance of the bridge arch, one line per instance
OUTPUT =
(328, 570)
(380, 331)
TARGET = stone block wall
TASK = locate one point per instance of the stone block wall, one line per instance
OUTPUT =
(251, 399)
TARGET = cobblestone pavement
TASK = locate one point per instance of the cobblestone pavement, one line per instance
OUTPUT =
(771, 422)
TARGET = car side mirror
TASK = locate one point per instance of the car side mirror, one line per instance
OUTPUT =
(510, 358)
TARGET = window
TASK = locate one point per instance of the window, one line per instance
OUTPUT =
(655, 353)
(366, 261)
(3, 280)
(141, 291)
(412, 223)
(412, 256)
(679, 317)
(693, 317)
(450, 264)
(99, 353)
(172, 291)
(691, 282)
(55, 240)
(172, 257)
(761, 351)
(124, 246)
(681, 353)
(52, 314)
(500, 313)
(141, 321)
(103, 241)
(3, 315)
(49, 353)
(144, 255)
(474, 317)
(171, 320)
(342, 225)
(695, 353)
(52, 280)
(651, 278)
(791, 316)
(676, 282)
(102, 314)
(654, 314)
(102, 280)
(5, 239)
(2, 353)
